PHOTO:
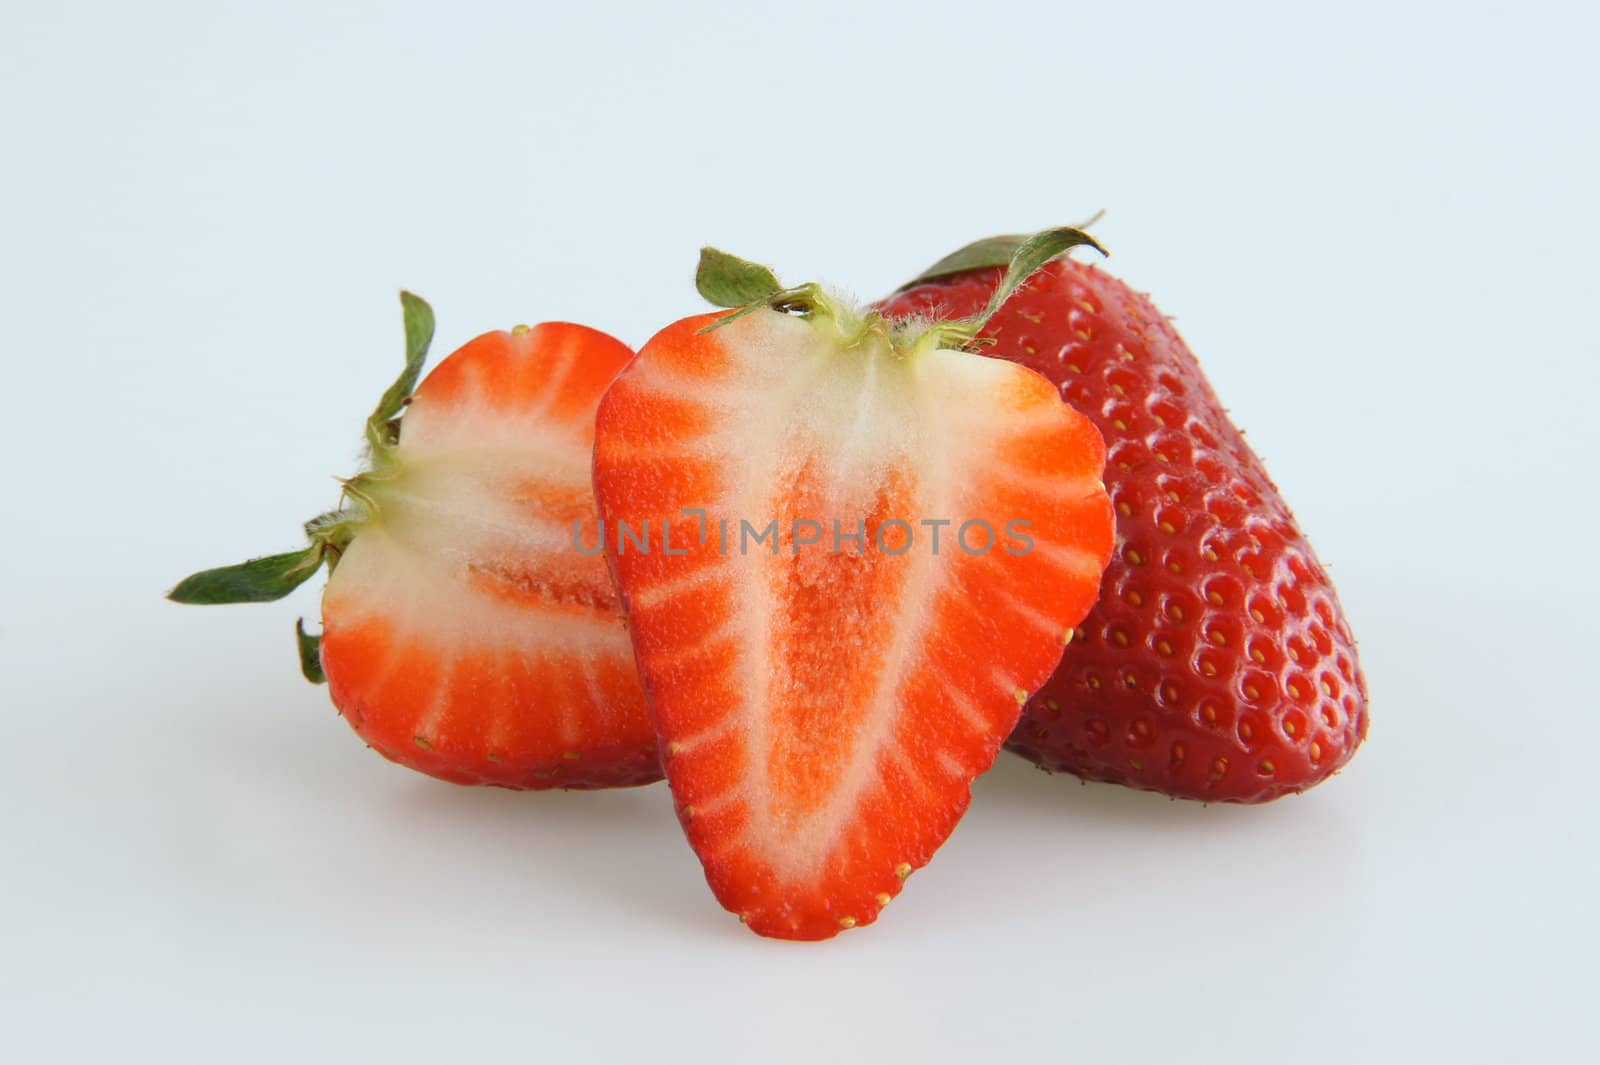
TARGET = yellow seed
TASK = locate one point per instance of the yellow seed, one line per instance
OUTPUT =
(1257, 615)
(1022, 696)
(1125, 510)
(424, 744)
(1164, 646)
(572, 756)
(1215, 597)
(518, 330)
(1175, 566)
(1094, 682)
(1133, 557)
(1135, 598)
(902, 870)
(884, 898)
(1211, 556)
(1219, 638)
(1167, 528)
(847, 922)
(673, 747)
(1074, 367)
(1256, 655)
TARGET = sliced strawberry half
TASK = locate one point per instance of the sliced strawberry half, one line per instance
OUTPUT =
(464, 634)
(826, 701)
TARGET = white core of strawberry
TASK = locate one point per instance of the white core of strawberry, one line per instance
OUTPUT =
(468, 540)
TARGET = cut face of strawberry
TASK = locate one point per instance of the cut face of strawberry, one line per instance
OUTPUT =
(464, 636)
(931, 526)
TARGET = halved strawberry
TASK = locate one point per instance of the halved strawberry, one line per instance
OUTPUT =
(825, 680)
(464, 634)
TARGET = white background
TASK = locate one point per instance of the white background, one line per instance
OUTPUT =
(1376, 225)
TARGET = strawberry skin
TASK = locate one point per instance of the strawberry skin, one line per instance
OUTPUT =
(822, 707)
(464, 636)
(1218, 664)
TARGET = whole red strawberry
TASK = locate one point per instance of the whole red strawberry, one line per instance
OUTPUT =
(1217, 664)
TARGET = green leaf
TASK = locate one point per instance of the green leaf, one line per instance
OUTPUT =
(310, 653)
(990, 251)
(802, 300)
(419, 334)
(261, 580)
(729, 281)
(980, 254)
(1028, 257)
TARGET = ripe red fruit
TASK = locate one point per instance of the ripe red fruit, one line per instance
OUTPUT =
(824, 703)
(1218, 664)
(464, 636)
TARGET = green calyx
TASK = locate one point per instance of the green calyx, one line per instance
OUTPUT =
(998, 251)
(744, 287)
(264, 580)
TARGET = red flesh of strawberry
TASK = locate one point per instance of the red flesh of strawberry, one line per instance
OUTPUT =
(823, 713)
(463, 634)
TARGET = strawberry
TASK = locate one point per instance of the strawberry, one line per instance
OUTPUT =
(832, 641)
(1218, 664)
(463, 635)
